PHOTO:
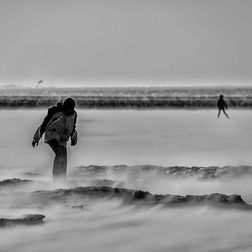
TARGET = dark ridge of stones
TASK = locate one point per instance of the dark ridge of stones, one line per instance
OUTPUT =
(211, 172)
(142, 197)
(14, 182)
(78, 207)
(29, 219)
(103, 182)
(106, 182)
(31, 174)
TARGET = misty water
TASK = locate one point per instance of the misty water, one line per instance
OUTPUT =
(133, 138)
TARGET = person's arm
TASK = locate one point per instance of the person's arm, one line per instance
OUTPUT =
(41, 129)
(74, 125)
(74, 132)
(226, 106)
(36, 137)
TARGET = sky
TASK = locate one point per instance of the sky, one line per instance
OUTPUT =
(125, 42)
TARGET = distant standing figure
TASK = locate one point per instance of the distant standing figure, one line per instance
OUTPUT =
(58, 126)
(222, 105)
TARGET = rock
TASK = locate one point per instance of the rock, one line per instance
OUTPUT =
(31, 174)
(106, 182)
(135, 172)
(103, 182)
(140, 197)
(28, 219)
(14, 182)
(78, 207)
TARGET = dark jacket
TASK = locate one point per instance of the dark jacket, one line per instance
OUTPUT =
(221, 104)
(58, 125)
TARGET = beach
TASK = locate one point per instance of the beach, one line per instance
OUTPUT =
(133, 137)
(177, 152)
(150, 150)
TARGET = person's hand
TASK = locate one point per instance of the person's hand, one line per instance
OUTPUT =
(73, 142)
(34, 143)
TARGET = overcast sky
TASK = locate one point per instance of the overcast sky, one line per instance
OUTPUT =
(125, 41)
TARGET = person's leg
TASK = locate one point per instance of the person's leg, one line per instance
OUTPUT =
(219, 113)
(60, 160)
(224, 111)
(53, 144)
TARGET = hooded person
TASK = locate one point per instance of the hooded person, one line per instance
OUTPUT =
(58, 126)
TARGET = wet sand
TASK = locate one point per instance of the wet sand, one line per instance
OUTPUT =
(158, 137)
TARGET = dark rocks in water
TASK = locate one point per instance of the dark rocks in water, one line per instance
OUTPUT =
(93, 169)
(103, 182)
(106, 182)
(78, 207)
(31, 174)
(14, 182)
(134, 172)
(28, 219)
(142, 197)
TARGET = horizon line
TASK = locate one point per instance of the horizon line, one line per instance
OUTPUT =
(127, 86)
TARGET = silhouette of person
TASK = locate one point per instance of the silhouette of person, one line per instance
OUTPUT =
(58, 126)
(222, 105)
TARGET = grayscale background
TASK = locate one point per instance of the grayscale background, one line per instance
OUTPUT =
(146, 76)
